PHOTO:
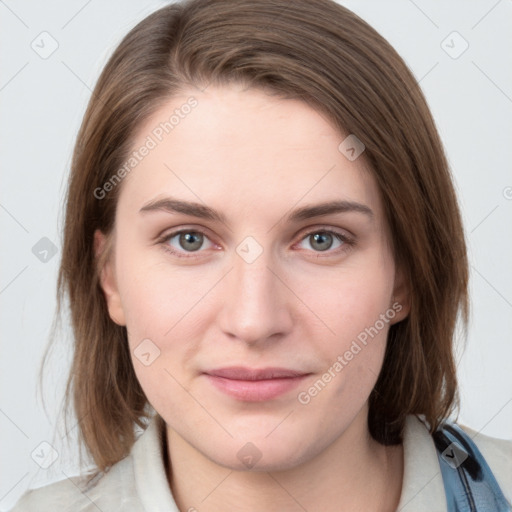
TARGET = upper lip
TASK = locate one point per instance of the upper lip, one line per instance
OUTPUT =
(243, 373)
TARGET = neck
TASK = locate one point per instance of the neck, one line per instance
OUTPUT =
(336, 479)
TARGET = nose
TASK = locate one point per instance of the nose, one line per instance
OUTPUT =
(257, 301)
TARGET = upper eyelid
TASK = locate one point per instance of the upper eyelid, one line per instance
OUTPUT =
(315, 229)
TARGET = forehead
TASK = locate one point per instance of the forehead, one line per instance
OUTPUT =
(229, 146)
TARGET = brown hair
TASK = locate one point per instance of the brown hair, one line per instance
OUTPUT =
(323, 54)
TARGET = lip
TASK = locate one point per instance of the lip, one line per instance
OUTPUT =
(255, 385)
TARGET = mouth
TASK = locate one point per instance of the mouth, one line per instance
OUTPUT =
(255, 385)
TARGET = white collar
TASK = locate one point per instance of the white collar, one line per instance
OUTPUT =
(422, 487)
(149, 469)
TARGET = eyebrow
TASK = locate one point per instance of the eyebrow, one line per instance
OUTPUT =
(172, 205)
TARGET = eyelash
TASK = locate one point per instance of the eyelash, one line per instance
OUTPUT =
(347, 242)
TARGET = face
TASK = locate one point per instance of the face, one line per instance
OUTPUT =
(227, 261)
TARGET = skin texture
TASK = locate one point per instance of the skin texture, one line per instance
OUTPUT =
(255, 157)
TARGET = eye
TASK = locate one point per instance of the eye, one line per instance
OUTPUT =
(322, 240)
(183, 241)
(190, 241)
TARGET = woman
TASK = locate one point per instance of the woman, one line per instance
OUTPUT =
(298, 355)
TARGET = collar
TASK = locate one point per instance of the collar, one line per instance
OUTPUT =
(422, 487)
(149, 469)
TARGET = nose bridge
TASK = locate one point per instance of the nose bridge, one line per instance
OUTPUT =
(255, 306)
(252, 276)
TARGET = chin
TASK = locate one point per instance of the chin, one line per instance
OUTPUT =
(259, 455)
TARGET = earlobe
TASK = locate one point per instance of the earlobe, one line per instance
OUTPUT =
(104, 254)
(401, 301)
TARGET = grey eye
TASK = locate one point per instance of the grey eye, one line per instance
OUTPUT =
(321, 241)
(190, 240)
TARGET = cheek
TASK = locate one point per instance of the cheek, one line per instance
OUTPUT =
(159, 332)
(154, 298)
(353, 355)
(352, 299)
(159, 304)
(357, 308)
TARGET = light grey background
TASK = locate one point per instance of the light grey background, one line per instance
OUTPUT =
(43, 100)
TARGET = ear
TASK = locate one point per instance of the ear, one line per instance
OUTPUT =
(106, 270)
(401, 301)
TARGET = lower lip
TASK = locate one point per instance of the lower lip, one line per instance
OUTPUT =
(255, 390)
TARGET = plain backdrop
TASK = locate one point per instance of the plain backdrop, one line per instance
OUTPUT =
(458, 50)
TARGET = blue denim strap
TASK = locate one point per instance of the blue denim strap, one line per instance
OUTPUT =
(469, 483)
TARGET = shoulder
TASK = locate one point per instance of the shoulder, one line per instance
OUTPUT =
(113, 491)
(106, 491)
(58, 496)
(423, 488)
(498, 455)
